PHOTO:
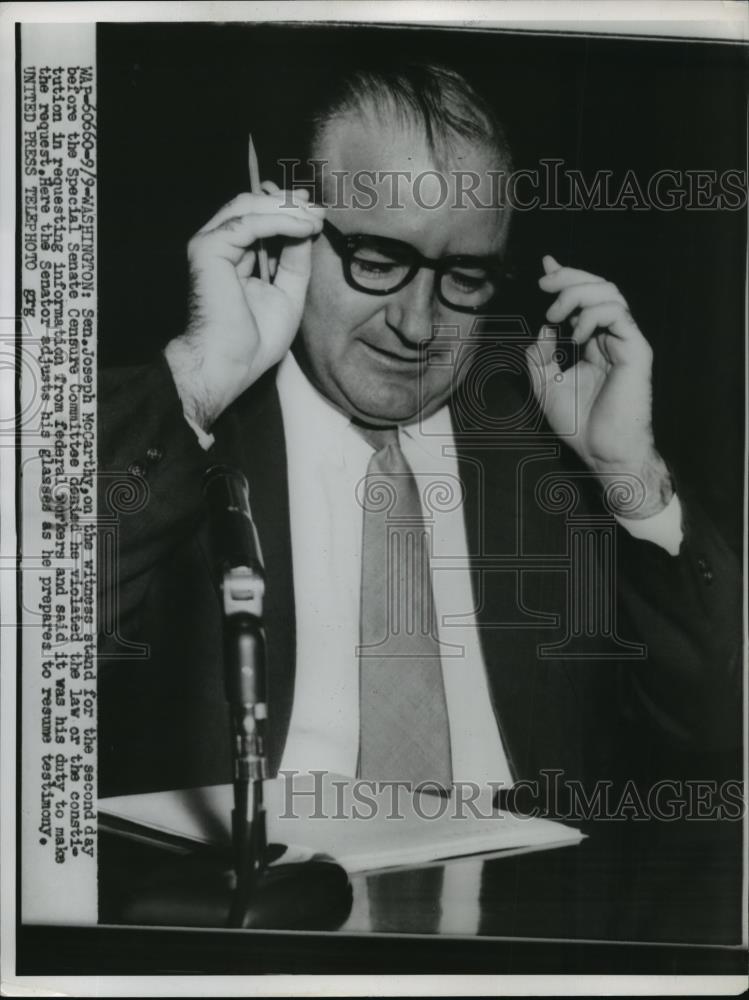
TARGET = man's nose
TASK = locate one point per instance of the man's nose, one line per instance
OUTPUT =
(410, 312)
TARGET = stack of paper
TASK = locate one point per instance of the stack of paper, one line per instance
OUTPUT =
(362, 828)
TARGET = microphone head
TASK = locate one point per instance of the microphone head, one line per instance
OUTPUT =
(235, 540)
(227, 485)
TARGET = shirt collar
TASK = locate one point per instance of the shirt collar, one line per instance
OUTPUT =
(431, 433)
(307, 414)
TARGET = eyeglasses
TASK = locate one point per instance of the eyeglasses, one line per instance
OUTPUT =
(378, 265)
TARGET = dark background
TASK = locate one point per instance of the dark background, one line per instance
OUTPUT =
(176, 103)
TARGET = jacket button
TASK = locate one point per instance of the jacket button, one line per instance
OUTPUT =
(136, 469)
(707, 575)
(154, 454)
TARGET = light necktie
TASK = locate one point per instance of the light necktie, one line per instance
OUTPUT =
(404, 731)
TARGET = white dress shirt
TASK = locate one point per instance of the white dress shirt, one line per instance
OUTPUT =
(327, 459)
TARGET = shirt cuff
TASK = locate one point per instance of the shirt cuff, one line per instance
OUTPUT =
(206, 440)
(663, 528)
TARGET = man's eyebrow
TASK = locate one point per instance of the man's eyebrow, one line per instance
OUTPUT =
(496, 257)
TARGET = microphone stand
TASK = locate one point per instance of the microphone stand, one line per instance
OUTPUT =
(310, 893)
(242, 589)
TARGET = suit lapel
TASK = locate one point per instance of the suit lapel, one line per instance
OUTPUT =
(497, 509)
(486, 533)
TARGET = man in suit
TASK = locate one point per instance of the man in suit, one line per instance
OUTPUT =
(362, 362)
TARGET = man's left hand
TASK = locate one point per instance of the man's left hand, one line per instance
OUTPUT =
(602, 405)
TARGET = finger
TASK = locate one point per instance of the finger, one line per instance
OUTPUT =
(582, 296)
(293, 268)
(597, 353)
(245, 203)
(240, 205)
(232, 238)
(550, 264)
(300, 195)
(557, 278)
(625, 343)
(262, 205)
(246, 265)
(267, 213)
(543, 357)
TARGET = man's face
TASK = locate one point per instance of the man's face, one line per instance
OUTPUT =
(361, 350)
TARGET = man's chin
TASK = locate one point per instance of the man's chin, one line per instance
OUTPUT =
(376, 401)
(387, 410)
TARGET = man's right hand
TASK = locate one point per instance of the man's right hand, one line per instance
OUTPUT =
(240, 326)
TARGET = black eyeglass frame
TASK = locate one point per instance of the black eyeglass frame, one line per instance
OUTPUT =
(346, 245)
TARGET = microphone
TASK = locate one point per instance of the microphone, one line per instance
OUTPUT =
(242, 580)
(239, 562)
(234, 536)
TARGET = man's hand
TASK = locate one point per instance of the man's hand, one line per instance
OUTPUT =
(240, 326)
(601, 407)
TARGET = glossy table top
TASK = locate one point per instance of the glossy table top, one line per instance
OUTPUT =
(634, 882)
(637, 897)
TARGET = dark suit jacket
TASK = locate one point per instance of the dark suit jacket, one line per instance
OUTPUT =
(162, 717)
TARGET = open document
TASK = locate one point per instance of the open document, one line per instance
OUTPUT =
(363, 827)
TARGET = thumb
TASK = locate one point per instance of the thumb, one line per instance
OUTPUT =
(294, 267)
(544, 349)
(541, 357)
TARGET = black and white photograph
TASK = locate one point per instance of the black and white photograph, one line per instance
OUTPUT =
(376, 477)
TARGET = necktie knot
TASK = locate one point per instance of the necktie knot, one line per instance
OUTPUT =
(378, 438)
